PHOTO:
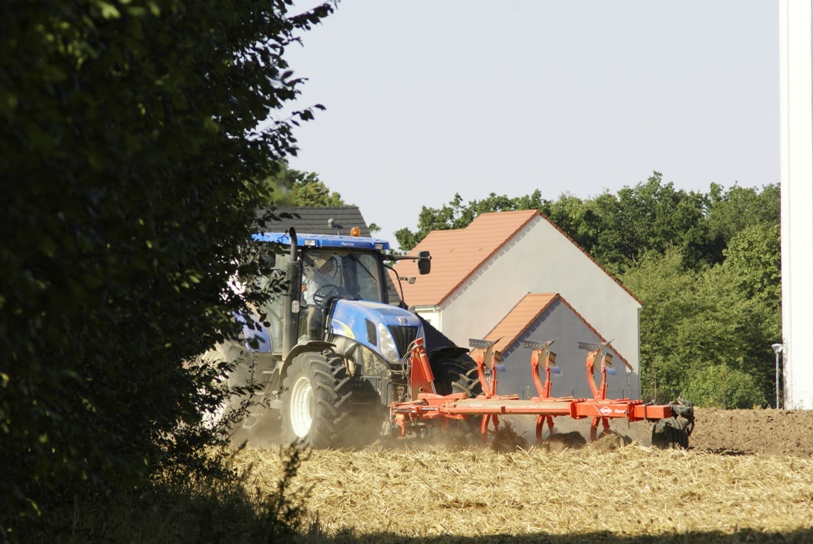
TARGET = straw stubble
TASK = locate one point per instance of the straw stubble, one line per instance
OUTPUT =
(623, 490)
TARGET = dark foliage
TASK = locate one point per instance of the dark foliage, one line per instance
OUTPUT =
(128, 131)
(183, 507)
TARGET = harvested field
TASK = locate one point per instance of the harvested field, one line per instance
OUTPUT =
(729, 487)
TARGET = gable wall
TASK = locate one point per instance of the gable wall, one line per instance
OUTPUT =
(559, 321)
(539, 259)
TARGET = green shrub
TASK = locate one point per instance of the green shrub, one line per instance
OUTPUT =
(720, 386)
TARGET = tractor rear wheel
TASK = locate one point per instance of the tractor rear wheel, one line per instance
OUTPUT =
(456, 376)
(459, 376)
(316, 400)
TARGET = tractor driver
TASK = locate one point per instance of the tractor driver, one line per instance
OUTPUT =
(319, 271)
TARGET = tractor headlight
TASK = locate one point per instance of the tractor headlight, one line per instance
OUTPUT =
(387, 343)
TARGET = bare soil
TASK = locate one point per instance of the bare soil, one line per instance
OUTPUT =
(725, 432)
(770, 432)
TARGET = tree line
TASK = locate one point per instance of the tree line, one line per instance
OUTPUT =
(706, 266)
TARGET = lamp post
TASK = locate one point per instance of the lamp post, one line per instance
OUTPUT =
(777, 349)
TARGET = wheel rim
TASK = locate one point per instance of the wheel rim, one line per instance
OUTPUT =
(301, 407)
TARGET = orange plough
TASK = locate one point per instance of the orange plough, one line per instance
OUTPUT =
(427, 408)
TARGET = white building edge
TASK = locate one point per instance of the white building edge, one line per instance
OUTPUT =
(796, 155)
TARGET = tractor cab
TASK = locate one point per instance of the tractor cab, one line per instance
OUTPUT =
(322, 271)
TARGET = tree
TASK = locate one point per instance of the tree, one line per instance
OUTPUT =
(314, 193)
(720, 386)
(297, 188)
(618, 229)
(615, 229)
(652, 216)
(128, 135)
(693, 320)
(727, 212)
(580, 219)
(753, 260)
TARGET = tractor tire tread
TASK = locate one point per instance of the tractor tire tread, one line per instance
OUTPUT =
(331, 392)
(456, 376)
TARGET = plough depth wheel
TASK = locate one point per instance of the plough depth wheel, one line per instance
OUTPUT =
(675, 431)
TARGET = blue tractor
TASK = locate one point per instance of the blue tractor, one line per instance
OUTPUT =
(332, 351)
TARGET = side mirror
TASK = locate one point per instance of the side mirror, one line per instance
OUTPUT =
(424, 262)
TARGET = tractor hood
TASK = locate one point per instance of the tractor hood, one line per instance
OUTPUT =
(385, 329)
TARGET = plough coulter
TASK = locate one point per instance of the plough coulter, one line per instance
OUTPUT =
(426, 409)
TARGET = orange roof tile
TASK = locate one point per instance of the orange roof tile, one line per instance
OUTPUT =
(521, 316)
(457, 254)
(525, 314)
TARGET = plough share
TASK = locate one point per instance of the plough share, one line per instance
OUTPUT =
(425, 408)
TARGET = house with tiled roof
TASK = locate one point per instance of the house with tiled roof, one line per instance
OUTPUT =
(540, 317)
(482, 272)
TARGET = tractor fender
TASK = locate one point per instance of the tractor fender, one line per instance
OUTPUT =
(317, 346)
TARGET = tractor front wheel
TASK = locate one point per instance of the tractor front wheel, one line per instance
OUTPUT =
(315, 400)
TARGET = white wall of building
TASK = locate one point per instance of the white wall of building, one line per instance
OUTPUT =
(432, 315)
(796, 153)
(540, 259)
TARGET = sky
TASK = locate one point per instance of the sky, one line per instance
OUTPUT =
(428, 98)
